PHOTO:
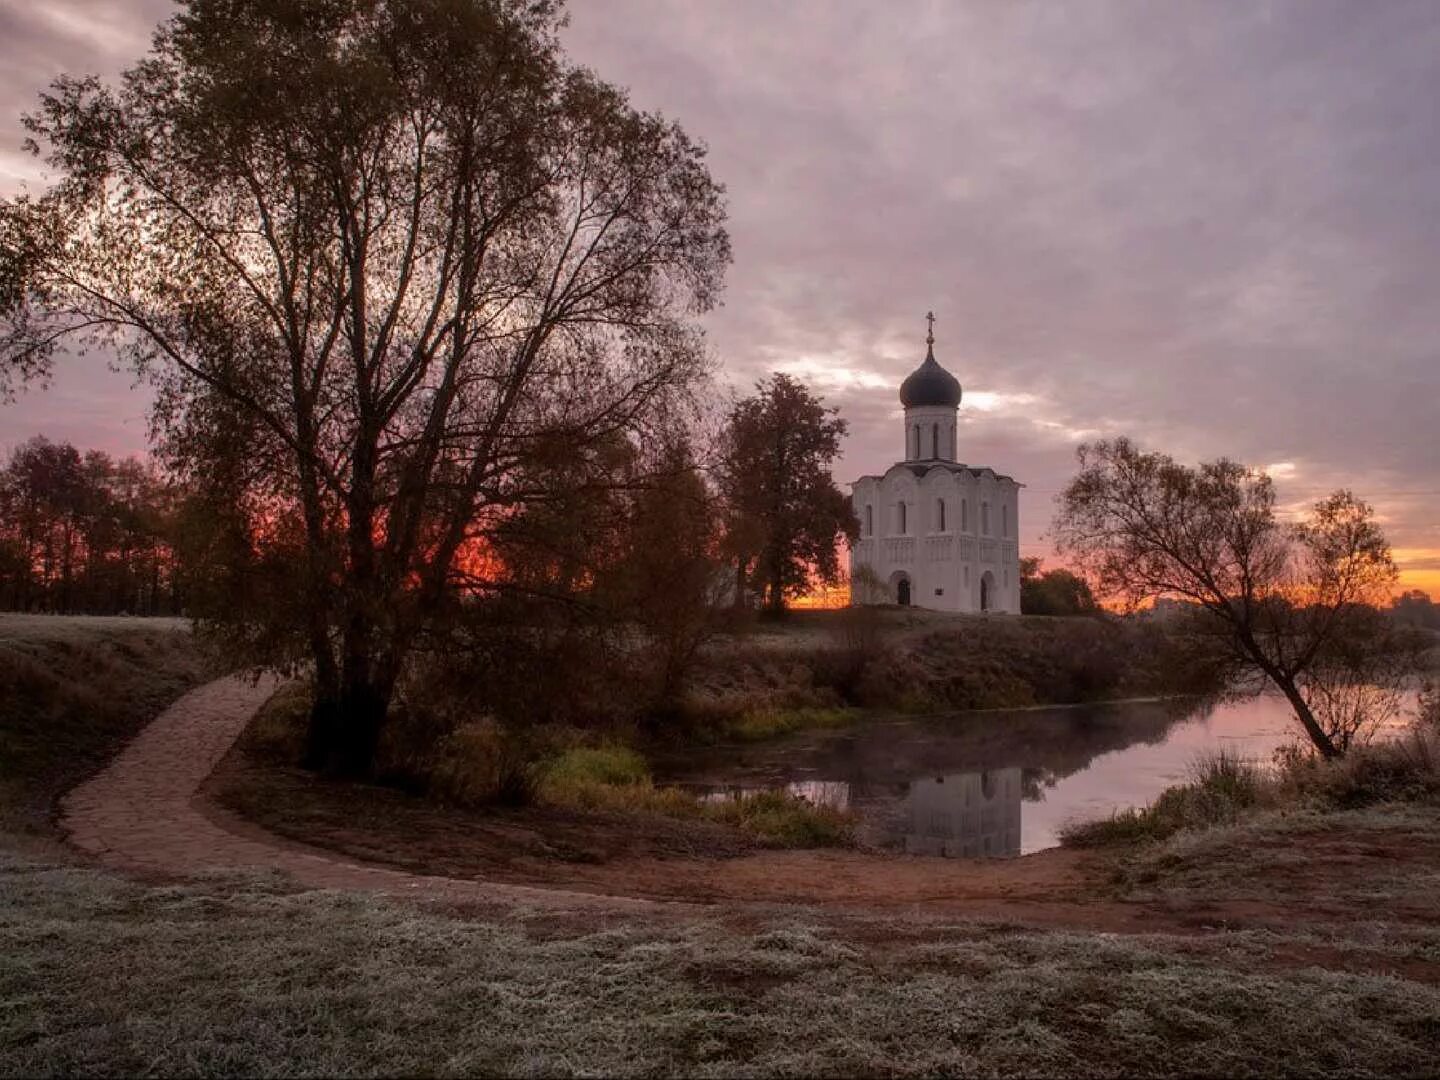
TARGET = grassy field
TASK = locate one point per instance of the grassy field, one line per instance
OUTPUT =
(73, 690)
(229, 976)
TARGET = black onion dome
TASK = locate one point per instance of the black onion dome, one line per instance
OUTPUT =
(930, 384)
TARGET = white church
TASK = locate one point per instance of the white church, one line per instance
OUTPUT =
(936, 533)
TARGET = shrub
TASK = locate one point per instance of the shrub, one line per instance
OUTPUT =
(1427, 713)
(480, 763)
(1400, 770)
(278, 727)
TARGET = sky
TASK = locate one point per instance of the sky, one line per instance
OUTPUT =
(1211, 226)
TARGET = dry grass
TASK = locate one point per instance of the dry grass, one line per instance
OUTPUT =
(1224, 790)
(237, 976)
(73, 690)
(931, 662)
(617, 779)
(478, 765)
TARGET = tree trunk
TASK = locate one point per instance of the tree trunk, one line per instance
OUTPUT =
(344, 732)
(1312, 727)
(774, 599)
(1251, 651)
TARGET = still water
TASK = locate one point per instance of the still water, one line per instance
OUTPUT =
(991, 783)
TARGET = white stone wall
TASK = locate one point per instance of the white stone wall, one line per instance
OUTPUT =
(944, 562)
(930, 434)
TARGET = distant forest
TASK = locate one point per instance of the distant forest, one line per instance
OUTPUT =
(84, 533)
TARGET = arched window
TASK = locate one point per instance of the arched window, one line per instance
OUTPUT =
(934, 440)
(984, 519)
(940, 515)
(952, 442)
(917, 442)
(902, 521)
(964, 515)
(869, 520)
(1004, 520)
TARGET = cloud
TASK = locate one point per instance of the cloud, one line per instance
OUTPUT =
(1213, 227)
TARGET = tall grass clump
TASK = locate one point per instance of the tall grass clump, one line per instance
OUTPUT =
(1222, 788)
(591, 775)
(759, 725)
(1406, 769)
(785, 820)
(616, 779)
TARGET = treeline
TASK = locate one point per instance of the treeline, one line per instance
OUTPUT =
(85, 533)
(1415, 608)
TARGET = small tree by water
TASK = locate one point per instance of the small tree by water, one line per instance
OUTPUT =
(1293, 604)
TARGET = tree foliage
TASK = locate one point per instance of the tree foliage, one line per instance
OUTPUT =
(1295, 604)
(1054, 592)
(86, 533)
(666, 577)
(385, 261)
(785, 518)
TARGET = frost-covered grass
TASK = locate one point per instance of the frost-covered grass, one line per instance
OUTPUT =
(237, 976)
(1377, 859)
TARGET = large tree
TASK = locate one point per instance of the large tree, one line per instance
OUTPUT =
(786, 517)
(1295, 603)
(378, 255)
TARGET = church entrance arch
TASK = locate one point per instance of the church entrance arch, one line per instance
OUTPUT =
(987, 591)
(900, 589)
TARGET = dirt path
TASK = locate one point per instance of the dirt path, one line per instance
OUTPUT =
(143, 814)
(146, 813)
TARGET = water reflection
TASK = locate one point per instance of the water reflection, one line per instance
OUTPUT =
(956, 785)
(964, 814)
(832, 793)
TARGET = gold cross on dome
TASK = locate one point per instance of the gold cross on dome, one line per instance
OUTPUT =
(930, 334)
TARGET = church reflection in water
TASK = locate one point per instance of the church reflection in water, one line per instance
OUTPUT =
(964, 815)
(957, 815)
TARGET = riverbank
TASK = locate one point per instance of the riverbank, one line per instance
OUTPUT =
(1278, 950)
(909, 661)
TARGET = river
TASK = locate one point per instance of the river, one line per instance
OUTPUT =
(990, 783)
